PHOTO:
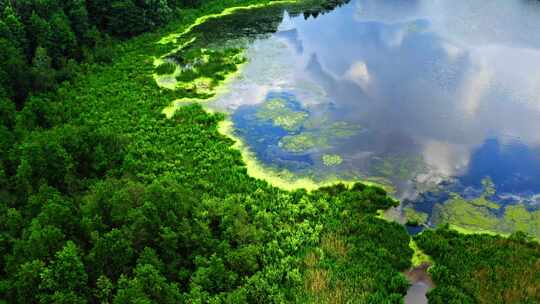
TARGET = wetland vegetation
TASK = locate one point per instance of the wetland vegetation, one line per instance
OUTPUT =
(110, 192)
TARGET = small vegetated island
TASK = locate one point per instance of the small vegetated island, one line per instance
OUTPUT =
(107, 198)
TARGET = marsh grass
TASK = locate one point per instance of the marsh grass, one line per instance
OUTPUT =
(319, 283)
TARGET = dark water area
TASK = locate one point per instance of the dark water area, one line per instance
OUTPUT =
(439, 99)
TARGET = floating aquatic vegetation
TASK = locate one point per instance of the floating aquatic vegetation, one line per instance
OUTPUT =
(332, 160)
(317, 138)
(519, 218)
(398, 167)
(340, 129)
(305, 132)
(278, 177)
(489, 186)
(414, 217)
(302, 142)
(484, 215)
(465, 213)
(281, 114)
(199, 71)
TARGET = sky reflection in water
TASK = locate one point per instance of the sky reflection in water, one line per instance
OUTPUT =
(440, 89)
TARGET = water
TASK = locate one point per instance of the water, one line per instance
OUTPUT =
(432, 97)
(421, 283)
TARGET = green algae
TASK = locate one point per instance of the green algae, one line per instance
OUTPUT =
(340, 129)
(518, 218)
(280, 178)
(302, 142)
(489, 186)
(317, 138)
(305, 132)
(414, 217)
(481, 215)
(484, 202)
(463, 213)
(401, 167)
(280, 114)
(330, 160)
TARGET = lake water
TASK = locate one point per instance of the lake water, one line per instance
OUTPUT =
(437, 98)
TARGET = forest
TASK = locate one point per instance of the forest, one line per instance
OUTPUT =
(105, 200)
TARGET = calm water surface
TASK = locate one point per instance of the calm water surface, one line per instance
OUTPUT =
(416, 94)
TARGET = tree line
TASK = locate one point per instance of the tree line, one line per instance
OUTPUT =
(41, 42)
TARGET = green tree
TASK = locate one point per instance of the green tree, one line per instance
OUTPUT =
(64, 280)
(111, 255)
(78, 16)
(43, 76)
(39, 30)
(16, 28)
(104, 290)
(62, 40)
(13, 71)
(147, 286)
(26, 282)
(126, 19)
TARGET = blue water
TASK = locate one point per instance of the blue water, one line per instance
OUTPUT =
(445, 94)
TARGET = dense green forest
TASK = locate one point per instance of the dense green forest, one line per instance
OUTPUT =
(105, 200)
(41, 42)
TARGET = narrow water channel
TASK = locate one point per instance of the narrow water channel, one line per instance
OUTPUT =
(421, 284)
